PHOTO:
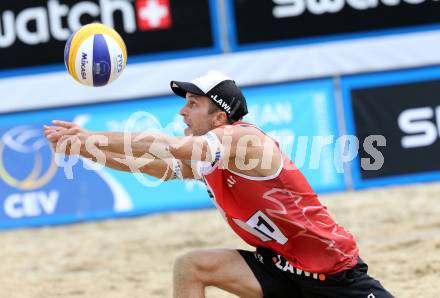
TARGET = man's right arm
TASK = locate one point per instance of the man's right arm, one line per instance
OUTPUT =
(167, 169)
(163, 169)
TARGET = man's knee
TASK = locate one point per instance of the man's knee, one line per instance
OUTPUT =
(195, 265)
(186, 265)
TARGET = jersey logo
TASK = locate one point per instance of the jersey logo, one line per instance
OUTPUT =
(231, 181)
(284, 265)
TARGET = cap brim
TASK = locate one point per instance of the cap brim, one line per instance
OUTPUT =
(181, 88)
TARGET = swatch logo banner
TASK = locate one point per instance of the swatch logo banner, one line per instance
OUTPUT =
(408, 115)
(277, 20)
(48, 20)
(33, 187)
(147, 26)
(293, 8)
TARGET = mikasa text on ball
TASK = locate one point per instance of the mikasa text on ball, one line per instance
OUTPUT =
(95, 55)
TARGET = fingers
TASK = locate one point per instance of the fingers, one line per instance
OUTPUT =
(62, 136)
(53, 135)
(64, 124)
(51, 129)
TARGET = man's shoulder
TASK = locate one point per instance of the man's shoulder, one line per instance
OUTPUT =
(237, 129)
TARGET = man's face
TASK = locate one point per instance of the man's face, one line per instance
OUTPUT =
(195, 115)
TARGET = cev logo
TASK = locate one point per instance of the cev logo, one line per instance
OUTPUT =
(27, 142)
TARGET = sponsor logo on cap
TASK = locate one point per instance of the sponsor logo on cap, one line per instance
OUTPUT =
(221, 102)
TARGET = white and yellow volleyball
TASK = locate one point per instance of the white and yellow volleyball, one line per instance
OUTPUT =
(95, 55)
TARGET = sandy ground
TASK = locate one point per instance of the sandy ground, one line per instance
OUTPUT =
(398, 231)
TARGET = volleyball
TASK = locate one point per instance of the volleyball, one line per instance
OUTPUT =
(95, 55)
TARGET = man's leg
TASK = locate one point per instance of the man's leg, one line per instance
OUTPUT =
(222, 268)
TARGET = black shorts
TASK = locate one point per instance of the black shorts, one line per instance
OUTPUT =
(279, 279)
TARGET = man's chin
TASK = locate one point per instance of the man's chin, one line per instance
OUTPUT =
(188, 132)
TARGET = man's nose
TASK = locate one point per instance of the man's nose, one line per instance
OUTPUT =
(182, 111)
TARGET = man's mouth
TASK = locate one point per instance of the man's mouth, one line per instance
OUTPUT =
(188, 131)
(187, 124)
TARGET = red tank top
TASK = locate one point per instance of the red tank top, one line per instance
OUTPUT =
(282, 213)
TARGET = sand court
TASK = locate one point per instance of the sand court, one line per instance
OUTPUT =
(397, 228)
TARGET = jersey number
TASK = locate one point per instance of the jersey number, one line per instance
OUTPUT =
(266, 228)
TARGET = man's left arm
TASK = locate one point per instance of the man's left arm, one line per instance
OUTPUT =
(134, 144)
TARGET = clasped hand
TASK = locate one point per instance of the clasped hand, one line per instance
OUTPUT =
(65, 137)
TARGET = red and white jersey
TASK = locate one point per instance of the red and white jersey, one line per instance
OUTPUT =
(282, 213)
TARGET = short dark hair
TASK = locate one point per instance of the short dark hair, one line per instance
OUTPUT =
(214, 108)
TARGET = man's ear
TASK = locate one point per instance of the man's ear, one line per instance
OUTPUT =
(220, 118)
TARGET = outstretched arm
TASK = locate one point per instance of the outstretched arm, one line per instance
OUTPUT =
(130, 143)
(243, 149)
(164, 169)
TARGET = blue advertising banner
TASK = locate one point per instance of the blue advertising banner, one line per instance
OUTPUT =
(401, 111)
(36, 190)
(33, 189)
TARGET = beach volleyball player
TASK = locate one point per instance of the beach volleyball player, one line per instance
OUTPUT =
(300, 250)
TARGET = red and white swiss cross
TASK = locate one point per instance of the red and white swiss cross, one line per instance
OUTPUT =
(153, 14)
